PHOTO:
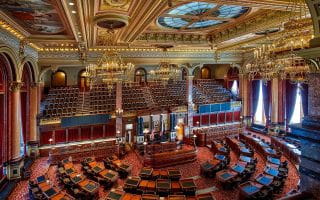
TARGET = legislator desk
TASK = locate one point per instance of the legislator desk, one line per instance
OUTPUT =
(128, 196)
(218, 148)
(77, 178)
(226, 176)
(210, 167)
(184, 155)
(188, 186)
(262, 147)
(148, 186)
(264, 179)
(131, 184)
(146, 173)
(272, 160)
(271, 170)
(89, 186)
(291, 151)
(246, 159)
(249, 190)
(175, 187)
(174, 174)
(162, 147)
(62, 196)
(110, 175)
(206, 196)
(239, 168)
(176, 197)
(115, 195)
(150, 197)
(163, 186)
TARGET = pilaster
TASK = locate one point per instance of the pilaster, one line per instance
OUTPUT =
(188, 130)
(119, 110)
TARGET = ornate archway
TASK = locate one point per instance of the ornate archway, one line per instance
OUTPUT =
(140, 75)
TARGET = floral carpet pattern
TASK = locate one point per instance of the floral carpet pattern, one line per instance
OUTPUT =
(41, 166)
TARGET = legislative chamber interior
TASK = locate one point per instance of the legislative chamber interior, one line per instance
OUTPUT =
(159, 99)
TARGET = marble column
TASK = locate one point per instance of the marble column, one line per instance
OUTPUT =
(33, 131)
(119, 110)
(16, 161)
(275, 101)
(188, 130)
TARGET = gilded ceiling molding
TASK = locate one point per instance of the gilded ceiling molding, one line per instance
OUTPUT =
(259, 23)
(174, 38)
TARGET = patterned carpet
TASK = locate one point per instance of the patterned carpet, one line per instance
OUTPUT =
(41, 167)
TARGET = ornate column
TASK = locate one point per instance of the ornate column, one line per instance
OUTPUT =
(275, 101)
(33, 150)
(188, 130)
(119, 110)
(16, 161)
(244, 91)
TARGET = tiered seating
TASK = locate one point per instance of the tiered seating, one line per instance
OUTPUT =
(133, 98)
(61, 102)
(170, 95)
(209, 91)
(102, 99)
(290, 147)
(207, 134)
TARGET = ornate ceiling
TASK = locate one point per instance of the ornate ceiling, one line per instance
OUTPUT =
(203, 25)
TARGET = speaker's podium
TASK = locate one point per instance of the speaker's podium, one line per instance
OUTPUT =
(167, 154)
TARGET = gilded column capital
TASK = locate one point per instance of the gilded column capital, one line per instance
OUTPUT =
(15, 86)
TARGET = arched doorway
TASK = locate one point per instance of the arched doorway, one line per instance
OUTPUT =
(205, 73)
(140, 75)
(6, 76)
(59, 79)
(196, 73)
(27, 79)
(84, 80)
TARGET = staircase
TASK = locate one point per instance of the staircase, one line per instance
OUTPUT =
(84, 103)
(148, 97)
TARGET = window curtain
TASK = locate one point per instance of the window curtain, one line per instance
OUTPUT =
(304, 97)
(266, 90)
(255, 95)
(291, 90)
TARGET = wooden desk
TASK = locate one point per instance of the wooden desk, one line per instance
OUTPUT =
(264, 179)
(146, 172)
(176, 197)
(226, 175)
(246, 159)
(238, 168)
(77, 178)
(128, 196)
(110, 175)
(174, 174)
(175, 186)
(62, 196)
(149, 197)
(187, 184)
(89, 186)
(249, 189)
(206, 196)
(132, 182)
(271, 171)
(220, 157)
(115, 195)
(163, 185)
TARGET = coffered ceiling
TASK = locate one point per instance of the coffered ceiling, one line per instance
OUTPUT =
(70, 25)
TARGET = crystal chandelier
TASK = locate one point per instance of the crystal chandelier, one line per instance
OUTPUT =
(110, 68)
(264, 65)
(165, 71)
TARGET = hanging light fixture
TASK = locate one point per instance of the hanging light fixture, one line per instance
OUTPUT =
(165, 71)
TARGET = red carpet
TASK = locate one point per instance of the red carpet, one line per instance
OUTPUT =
(41, 166)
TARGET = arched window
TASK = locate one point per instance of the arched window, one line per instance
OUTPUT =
(259, 116)
(84, 80)
(235, 88)
(205, 73)
(298, 109)
(140, 75)
(59, 79)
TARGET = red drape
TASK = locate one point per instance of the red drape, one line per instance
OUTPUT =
(97, 132)
(205, 120)
(110, 130)
(85, 133)
(236, 116)
(221, 118)
(195, 120)
(73, 135)
(229, 117)
(213, 119)
(60, 136)
(44, 137)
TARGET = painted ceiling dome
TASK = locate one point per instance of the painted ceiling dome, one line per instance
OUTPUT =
(197, 15)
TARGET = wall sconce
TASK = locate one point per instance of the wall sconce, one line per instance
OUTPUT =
(119, 112)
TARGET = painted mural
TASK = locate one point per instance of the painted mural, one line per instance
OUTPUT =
(37, 16)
